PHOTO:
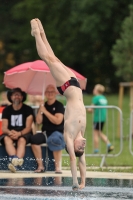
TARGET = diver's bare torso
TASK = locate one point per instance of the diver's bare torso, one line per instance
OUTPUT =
(75, 113)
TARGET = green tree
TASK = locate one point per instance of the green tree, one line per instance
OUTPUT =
(122, 51)
(81, 34)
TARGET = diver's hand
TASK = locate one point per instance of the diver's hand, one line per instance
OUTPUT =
(75, 187)
(81, 186)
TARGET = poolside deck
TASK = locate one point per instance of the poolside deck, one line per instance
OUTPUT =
(66, 173)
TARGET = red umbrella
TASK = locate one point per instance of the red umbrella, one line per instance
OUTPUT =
(34, 77)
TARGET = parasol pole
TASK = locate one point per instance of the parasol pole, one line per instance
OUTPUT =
(43, 88)
(43, 93)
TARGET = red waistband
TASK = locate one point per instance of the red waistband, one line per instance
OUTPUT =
(65, 86)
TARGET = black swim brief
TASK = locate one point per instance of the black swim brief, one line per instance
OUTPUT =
(73, 81)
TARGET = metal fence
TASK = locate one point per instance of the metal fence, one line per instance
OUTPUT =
(112, 125)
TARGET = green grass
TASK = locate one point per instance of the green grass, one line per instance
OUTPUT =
(125, 158)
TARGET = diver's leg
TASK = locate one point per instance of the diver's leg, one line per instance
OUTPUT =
(44, 38)
(49, 49)
(59, 73)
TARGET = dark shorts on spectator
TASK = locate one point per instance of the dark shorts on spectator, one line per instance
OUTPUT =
(26, 136)
(98, 126)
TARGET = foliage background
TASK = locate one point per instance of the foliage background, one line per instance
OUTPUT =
(81, 34)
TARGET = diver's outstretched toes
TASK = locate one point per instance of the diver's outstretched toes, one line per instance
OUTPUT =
(34, 27)
(40, 25)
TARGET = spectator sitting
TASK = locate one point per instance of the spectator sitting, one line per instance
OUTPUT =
(17, 120)
(51, 116)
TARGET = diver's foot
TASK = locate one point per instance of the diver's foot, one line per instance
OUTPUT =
(34, 27)
(40, 25)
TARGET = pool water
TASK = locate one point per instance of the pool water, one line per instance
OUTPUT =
(53, 188)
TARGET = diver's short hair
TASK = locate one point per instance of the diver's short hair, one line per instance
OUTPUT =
(77, 153)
